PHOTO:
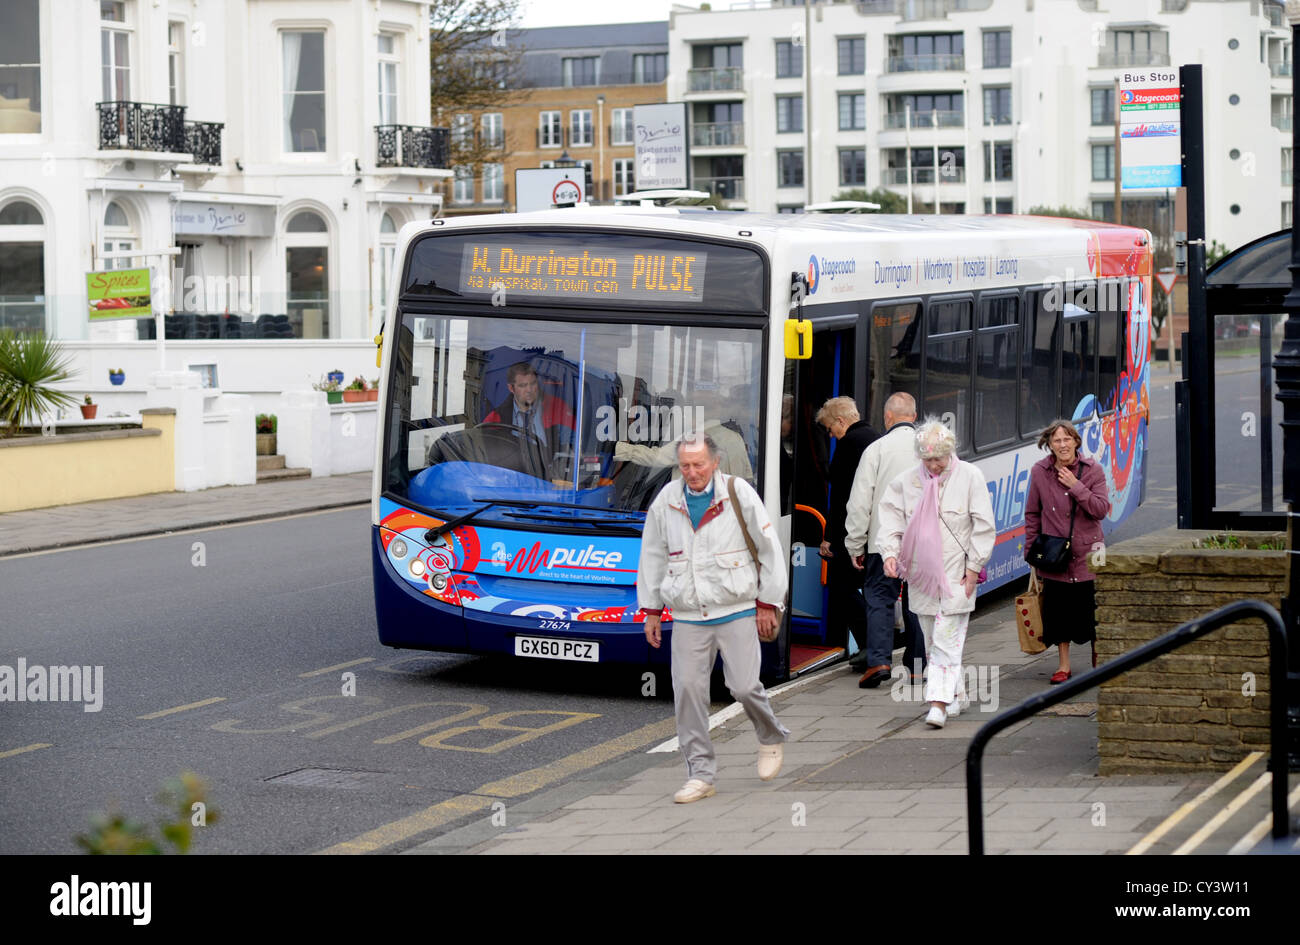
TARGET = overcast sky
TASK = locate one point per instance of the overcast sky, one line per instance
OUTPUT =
(578, 12)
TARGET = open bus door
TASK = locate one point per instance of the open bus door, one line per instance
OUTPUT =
(816, 636)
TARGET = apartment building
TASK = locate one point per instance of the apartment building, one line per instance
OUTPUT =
(263, 151)
(570, 106)
(981, 105)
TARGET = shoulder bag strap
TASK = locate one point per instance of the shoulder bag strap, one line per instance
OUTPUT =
(744, 529)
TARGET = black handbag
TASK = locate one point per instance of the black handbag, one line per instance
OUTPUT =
(1051, 553)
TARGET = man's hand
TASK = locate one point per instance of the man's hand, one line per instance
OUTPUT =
(769, 624)
(860, 562)
(825, 551)
(891, 567)
(970, 580)
(652, 634)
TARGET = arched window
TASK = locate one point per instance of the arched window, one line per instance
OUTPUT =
(22, 267)
(119, 236)
(387, 249)
(307, 281)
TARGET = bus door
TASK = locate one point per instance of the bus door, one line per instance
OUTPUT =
(816, 635)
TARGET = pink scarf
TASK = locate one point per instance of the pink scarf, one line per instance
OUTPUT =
(921, 564)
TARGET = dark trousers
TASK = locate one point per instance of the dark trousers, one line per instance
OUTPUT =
(913, 640)
(846, 604)
(881, 592)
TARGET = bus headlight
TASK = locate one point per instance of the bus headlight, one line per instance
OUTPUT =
(439, 581)
(417, 568)
(398, 548)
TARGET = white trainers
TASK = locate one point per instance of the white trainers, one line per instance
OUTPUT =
(937, 717)
(694, 790)
(770, 758)
(958, 706)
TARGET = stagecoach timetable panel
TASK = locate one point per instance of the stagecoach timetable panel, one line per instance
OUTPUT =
(573, 271)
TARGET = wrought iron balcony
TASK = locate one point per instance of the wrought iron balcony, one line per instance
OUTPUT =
(412, 146)
(203, 141)
(138, 126)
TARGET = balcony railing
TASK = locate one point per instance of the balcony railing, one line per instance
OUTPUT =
(727, 79)
(412, 146)
(1279, 69)
(940, 119)
(1109, 58)
(138, 126)
(870, 7)
(728, 188)
(922, 10)
(203, 141)
(938, 62)
(897, 176)
(1286, 177)
(718, 134)
(1282, 122)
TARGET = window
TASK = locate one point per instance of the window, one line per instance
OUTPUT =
(997, 160)
(624, 177)
(997, 105)
(1135, 47)
(1286, 213)
(928, 110)
(176, 63)
(462, 130)
(620, 129)
(997, 352)
(852, 52)
(1103, 210)
(997, 49)
(494, 135)
(20, 69)
(494, 183)
(304, 91)
(952, 165)
(1000, 205)
(387, 251)
(853, 111)
(1103, 162)
(1038, 373)
(580, 127)
(853, 166)
(115, 51)
(648, 68)
(789, 168)
(388, 61)
(118, 237)
(948, 365)
(549, 131)
(306, 257)
(927, 52)
(1111, 304)
(579, 71)
(1103, 106)
(22, 268)
(462, 188)
(789, 113)
(1078, 356)
(895, 354)
(789, 60)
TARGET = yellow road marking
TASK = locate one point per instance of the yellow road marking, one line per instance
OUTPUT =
(1261, 829)
(182, 708)
(19, 751)
(330, 669)
(1218, 820)
(523, 783)
(1174, 819)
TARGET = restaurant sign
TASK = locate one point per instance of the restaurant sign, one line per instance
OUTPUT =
(118, 293)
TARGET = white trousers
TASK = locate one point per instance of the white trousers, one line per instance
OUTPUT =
(945, 638)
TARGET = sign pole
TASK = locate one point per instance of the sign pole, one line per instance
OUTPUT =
(1197, 354)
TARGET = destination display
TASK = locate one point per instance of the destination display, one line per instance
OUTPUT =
(577, 271)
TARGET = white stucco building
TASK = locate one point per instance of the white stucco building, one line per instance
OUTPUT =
(276, 145)
(1015, 96)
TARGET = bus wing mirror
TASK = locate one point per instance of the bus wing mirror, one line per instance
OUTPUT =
(798, 339)
(379, 349)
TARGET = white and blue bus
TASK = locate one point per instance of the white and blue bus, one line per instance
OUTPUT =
(537, 369)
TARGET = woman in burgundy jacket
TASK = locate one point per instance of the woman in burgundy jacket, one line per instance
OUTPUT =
(1058, 483)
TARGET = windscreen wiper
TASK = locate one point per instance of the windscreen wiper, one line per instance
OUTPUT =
(438, 531)
(622, 525)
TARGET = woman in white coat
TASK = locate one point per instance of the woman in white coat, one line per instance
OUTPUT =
(938, 533)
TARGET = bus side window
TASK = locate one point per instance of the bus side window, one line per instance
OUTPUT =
(1111, 359)
(895, 355)
(1078, 347)
(1039, 392)
(997, 354)
(948, 350)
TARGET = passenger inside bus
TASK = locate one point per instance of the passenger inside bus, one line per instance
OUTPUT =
(703, 413)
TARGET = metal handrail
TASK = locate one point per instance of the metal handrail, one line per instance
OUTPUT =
(1193, 630)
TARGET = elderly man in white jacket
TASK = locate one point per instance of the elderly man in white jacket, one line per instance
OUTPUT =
(695, 558)
(883, 460)
(937, 531)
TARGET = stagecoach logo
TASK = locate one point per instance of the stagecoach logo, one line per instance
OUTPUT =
(830, 268)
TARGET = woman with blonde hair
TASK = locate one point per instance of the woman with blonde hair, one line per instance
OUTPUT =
(1067, 498)
(938, 533)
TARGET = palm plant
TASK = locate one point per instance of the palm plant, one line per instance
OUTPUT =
(29, 364)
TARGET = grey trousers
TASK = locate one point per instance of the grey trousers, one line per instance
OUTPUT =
(694, 648)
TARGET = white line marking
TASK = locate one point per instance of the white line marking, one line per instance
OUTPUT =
(1261, 829)
(1219, 819)
(183, 708)
(1170, 822)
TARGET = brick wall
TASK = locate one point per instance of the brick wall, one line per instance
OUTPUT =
(1190, 709)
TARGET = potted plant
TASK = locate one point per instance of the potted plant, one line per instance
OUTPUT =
(89, 409)
(355, 392)
(116, 376)
(337, 377)
(29, 364)
(372, 390)
(267, 425)
(331, 389)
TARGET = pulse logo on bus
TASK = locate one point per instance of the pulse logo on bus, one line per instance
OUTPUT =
(829, 268)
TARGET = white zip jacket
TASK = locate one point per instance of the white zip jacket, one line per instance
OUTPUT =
(881, 462)
(967, 513)
(707, 574)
